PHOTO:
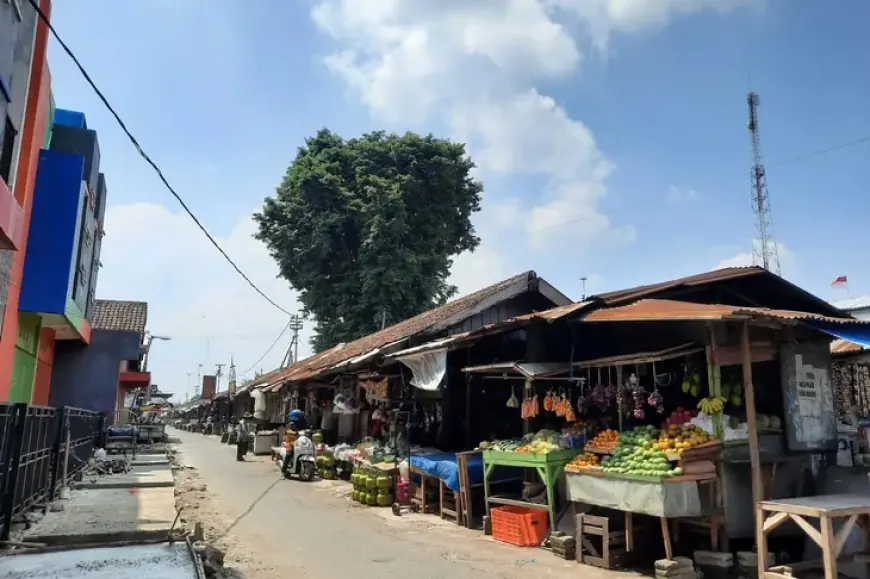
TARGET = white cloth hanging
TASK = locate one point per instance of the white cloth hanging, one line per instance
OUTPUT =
(428, 368)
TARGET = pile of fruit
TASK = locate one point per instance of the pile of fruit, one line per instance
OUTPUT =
(678, 437)
(635, 455)
(585, 461)
(372, 488)
(679, 416)
(538, 447)
(604, 440)
(543, 442)
(768, 422)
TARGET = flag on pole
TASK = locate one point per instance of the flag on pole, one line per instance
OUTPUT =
(840, 281)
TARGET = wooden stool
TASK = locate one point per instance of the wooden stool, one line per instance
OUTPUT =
(612, 552)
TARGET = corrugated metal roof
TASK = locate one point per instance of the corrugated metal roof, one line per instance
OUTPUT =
(716, 275)
(629, 295)
(841, 347)
(850, 304)
(667, 310)
(319, 363)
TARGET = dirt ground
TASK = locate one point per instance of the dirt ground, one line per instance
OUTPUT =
(273, 528)
(242, 560)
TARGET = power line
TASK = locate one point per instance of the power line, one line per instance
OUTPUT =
(144, 155)
(266, 353)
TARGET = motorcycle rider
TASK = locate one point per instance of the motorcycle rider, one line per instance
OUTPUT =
(296, 424)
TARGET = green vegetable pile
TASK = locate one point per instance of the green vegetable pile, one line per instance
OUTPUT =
(634, 455)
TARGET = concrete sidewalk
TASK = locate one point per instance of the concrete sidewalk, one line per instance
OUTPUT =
(138, 505)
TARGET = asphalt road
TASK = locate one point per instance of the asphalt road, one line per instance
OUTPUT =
(314, 530)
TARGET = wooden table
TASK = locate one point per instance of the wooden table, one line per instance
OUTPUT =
(771, 514)
(549, 467)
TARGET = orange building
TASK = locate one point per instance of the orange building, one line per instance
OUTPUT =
(25, 106)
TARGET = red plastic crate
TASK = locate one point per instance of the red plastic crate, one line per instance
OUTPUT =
(519, 526)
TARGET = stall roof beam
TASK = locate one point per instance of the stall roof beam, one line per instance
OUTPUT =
(652, 310)
(641, 358)
(524, 369)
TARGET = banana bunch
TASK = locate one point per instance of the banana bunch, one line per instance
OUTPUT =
(712, 404)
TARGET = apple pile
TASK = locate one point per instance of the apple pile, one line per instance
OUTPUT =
(679, 416)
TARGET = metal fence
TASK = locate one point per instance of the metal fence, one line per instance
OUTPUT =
(33, 454)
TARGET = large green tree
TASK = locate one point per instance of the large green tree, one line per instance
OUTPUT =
(365, 229)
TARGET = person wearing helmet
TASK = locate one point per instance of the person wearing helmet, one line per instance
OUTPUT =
(295, 423)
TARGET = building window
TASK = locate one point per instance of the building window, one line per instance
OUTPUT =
(7, 147)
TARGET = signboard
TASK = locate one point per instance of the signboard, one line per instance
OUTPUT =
(209, 384)
(808, 397)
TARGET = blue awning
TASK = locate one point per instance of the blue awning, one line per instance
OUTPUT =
(857, 332)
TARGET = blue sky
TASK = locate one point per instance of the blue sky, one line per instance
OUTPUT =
(611, 138)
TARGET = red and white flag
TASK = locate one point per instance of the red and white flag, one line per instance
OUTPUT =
(840, 281)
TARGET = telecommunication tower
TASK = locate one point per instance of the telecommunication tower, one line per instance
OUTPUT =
(764, 250)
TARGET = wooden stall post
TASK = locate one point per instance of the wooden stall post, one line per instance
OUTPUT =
(754, 461)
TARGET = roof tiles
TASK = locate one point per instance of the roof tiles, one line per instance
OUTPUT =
(120, 315)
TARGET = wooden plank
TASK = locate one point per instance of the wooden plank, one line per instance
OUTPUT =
(826, 542)
(774, 520)
(838, 505)
(810, 530)
(843, 534)
(755, 462)
(516, 503)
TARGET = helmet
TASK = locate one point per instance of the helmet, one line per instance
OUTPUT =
(295, 415)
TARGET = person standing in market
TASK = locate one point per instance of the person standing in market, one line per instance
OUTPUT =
(243, 436)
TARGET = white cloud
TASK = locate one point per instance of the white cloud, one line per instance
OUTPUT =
(677, 195)
(604, 18)
(474, 67)
(153, 254)
(788, 260)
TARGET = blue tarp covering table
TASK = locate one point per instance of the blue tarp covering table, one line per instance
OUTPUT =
(444, 466)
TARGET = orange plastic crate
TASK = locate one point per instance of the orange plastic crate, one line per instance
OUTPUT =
(519, 526)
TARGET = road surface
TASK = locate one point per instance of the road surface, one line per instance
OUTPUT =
(286, 528)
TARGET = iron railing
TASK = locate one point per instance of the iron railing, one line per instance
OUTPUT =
(34, 457)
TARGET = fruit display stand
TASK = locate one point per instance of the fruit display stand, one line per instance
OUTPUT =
(664, 497)
(659, 477)
(548, 466)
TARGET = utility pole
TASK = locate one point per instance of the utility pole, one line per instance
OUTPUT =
(767, 252)
(198, 384)
(231, 384)
(292, 354)
(217, 376)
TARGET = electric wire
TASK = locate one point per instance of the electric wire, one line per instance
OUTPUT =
(266, 353)
(144, 155)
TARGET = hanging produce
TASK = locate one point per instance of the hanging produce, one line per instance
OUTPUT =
(530, 408)
(513, 401)
(712, 404)
(550, 401)
(691, 380)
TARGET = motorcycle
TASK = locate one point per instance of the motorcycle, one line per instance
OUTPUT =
(302, 463)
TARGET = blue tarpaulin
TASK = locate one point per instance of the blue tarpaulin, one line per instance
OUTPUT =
(857, 332)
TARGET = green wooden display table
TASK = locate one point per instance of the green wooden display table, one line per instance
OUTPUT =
(548, 466)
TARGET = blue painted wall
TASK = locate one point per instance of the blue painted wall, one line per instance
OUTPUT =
(87, 376)
(53, 240)
(70, 118)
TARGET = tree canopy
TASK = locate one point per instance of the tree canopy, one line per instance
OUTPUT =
(365, 229)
